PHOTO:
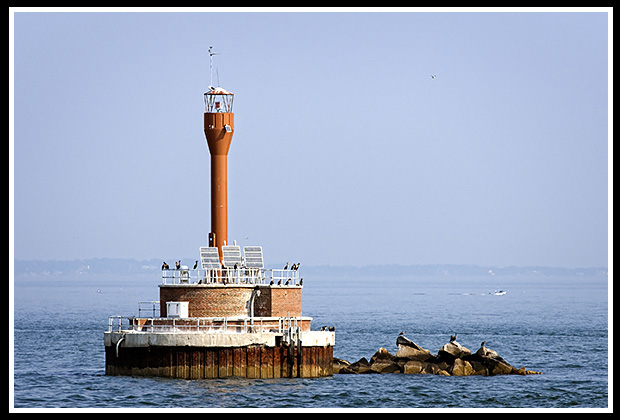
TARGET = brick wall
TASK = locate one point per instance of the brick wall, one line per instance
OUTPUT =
(232, 300)
(207, 301)
(286, 301)
(278, 301)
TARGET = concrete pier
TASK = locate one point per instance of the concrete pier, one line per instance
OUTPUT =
(219, 355)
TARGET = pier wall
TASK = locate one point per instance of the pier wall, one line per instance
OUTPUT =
(193, 355)
(186, 362)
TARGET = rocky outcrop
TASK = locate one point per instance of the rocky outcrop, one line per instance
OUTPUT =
(452, 359)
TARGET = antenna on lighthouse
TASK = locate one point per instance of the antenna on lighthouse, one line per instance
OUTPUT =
(211, 54)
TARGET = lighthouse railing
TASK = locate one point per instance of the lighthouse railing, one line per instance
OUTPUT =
(222, 325)
(241, 275)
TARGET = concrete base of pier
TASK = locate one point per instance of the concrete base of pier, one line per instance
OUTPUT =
(218, 355)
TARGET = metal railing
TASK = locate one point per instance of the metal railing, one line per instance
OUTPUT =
(279, 325)
(152, 307)
(231, 276)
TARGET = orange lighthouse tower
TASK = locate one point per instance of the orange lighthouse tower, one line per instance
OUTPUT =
(219, 126)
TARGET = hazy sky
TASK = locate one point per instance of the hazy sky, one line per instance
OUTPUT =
(345, 150)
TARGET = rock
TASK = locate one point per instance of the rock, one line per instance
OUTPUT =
(410, 350)
(361, 362)
(429, 368)
(339, 364)
(413, 367)
(501, 368)
(418, 367)
(433, 369)
(483, 351)
(401, 340)
(385, 366)
(479, 368)
(443, 365)
(361, 366)
(453, 350)
(381, 354)
(383, 362)
(365, 369)
(412, 354)
(461, 367)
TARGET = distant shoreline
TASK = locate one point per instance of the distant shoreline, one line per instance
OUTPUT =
(126, 266)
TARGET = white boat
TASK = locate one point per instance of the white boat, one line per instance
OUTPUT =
(498, 292)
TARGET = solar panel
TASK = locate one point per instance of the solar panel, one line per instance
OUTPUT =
(231, 255)
(253, 256)
(209, 258)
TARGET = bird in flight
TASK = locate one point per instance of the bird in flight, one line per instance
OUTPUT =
(433, 76)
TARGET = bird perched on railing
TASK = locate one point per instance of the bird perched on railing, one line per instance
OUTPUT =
(164, 266)
(178, 264)
(286, 266)
(195, 265)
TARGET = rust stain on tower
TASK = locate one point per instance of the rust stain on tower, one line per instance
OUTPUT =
(219, 127)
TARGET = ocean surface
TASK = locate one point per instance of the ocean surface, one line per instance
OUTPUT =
(555, 325)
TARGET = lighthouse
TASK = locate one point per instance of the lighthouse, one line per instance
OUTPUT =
(219, 127)
(229, 315)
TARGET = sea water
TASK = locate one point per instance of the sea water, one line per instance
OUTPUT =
(555, 325)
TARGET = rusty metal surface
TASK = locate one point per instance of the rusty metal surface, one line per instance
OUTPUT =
(219, 128)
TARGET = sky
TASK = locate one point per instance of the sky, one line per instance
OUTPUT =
(346, 151)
